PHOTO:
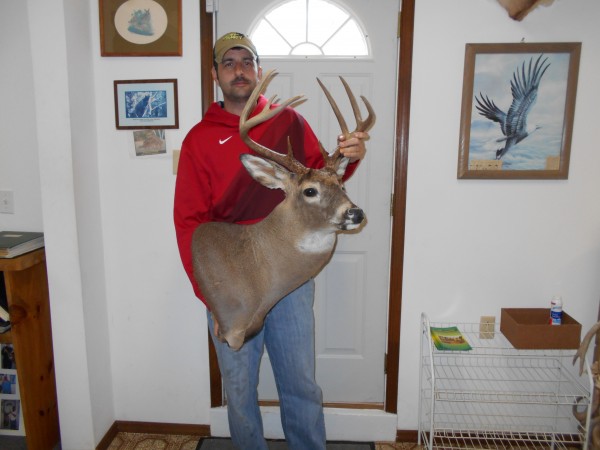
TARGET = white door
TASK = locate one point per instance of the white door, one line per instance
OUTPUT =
(352, 291)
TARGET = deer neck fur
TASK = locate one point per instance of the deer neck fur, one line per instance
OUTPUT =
(283, 229)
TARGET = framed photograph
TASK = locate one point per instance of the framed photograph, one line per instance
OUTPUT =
(517, 110)
(149, 142)
(11, 417)
(140, 27)
(8, 357)
(8, 383)
(146, 104)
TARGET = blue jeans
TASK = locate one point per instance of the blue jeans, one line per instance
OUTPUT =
(288, 335)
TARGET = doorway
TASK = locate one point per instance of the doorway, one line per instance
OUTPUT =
(397, 204)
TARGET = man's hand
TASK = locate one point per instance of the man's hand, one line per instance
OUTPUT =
(353, 147)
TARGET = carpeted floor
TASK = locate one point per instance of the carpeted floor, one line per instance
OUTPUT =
(136, 441)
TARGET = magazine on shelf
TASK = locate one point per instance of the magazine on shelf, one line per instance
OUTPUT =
(15, 243)
(449, 338)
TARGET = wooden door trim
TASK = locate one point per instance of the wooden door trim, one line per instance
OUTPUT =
(208, 97)
(407, 20)
(398, 205)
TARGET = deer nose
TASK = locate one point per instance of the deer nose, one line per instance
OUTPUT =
(356, 215)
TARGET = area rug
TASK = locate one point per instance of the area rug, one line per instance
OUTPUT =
(225, 444)
(140, 441)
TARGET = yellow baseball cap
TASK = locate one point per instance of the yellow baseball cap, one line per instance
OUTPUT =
(232, 40)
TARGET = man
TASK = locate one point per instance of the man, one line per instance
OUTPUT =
(212, 185)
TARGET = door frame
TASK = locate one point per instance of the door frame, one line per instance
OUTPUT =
(398, 205)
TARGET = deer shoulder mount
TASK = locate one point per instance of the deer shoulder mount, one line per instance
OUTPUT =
(244, 270)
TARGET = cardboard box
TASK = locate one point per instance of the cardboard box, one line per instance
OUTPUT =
(529, 328)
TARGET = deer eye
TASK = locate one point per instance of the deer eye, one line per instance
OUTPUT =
(310, 192)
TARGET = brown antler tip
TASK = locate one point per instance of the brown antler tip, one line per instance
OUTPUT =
(247, 122)
(361, 125)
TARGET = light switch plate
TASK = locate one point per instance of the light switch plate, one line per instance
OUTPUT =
(7, 202)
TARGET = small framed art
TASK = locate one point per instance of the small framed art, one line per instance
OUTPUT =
(146, 104)
(517, 110)
(140, 27)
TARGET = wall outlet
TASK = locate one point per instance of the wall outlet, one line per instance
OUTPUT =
(7, 202)
(487, 326)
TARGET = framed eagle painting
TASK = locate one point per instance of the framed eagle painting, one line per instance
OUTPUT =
(517, 112)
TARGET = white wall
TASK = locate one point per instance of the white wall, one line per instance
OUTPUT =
(88, 210)
(64, 112)
(157, 328)
(19, 168)
(130, 339)
(475, 246)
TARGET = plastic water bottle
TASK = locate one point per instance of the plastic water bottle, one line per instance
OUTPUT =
(556, 310)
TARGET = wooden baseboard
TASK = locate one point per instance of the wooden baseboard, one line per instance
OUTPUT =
(151, 428)
(109, 436)
(407, 436)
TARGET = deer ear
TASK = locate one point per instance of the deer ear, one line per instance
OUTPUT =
(266, 172)
(341, 165)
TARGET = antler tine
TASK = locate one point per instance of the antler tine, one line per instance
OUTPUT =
(361, 125)
(585, 344)
(335, 108)
(246, 124)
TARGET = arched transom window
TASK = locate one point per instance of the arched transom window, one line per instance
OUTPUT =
(309, 28)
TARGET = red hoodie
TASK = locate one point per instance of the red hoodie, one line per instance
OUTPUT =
(213, 185)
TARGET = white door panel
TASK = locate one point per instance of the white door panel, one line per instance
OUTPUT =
(352, 291)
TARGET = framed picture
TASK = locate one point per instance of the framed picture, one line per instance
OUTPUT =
(517, 110)
(8, 383)
(146, 104)
(8, 357)
(149, 142)
(140, 27)
(11, 417)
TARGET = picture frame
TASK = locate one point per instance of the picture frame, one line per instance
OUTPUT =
(140, 27)
(11, 417)
(146, 104)
(518, 104)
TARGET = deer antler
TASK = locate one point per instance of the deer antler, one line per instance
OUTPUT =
(361, 125)
(246, 124)
(583, 348)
